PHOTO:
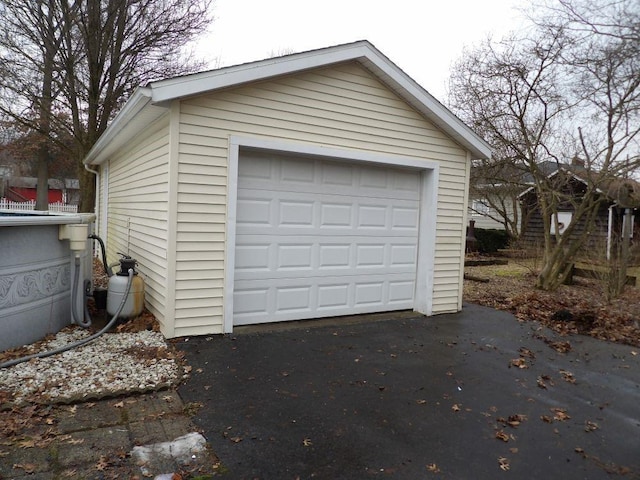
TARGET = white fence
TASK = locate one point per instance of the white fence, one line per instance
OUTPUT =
(31, 205)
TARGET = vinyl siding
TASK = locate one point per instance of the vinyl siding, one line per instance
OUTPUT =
(138, 211)
(341, 107)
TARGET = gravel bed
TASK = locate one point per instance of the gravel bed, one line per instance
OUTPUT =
(113, 364)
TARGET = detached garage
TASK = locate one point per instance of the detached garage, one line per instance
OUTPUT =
(318, 184)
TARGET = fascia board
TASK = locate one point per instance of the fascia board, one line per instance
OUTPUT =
(129, 117)
(195, 84)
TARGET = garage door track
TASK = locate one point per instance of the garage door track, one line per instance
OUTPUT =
(469, 395)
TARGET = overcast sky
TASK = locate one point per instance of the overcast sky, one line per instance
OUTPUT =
(423, 37)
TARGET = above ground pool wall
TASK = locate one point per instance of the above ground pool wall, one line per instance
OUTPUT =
(36, 276)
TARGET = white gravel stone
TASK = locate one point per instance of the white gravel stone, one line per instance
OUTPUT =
(115, 363)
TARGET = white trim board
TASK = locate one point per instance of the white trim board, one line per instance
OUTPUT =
(423, 296)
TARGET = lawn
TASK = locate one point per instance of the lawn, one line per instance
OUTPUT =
(580, 308)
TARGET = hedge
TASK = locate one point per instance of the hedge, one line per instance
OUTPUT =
(491, 240)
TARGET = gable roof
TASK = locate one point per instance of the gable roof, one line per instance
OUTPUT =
(624, 192)
(150, 102)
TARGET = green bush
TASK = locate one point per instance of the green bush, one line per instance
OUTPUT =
(490, 240)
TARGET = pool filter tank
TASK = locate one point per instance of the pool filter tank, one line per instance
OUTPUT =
(117, 288)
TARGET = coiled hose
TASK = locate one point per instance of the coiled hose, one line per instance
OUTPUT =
(78, 343)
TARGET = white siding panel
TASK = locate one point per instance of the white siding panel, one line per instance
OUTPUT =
(342, 107)
(137, 210)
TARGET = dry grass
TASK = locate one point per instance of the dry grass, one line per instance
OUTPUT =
(578, 308)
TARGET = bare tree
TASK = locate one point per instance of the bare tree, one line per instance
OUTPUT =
(30, 40)
(509, 92)
(570, 88)
(104, 49)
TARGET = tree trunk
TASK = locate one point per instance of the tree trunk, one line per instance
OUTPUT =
(42, 187)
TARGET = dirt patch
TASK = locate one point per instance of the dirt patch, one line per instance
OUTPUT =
(580, 308)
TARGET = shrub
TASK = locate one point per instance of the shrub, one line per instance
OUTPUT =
(491, 240)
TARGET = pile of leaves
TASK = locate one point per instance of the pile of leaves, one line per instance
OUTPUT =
(580, 308)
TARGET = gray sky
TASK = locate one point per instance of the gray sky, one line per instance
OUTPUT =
(421, 37)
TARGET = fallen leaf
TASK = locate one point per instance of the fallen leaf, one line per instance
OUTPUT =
(27, 467)
(119, 404)
(504, 463)
(525, 352)
(236, 439)
(560, 414)
(102, 464)
(546, 418)
(433, 468)
(513, 450)
(513, 420)
(500, 435)
(307, 442)
(560, 347)
(519, 362)
(634, 353)
(567, 376)
(421, 402)
(590, 426)
(456, 407)
(176, 476)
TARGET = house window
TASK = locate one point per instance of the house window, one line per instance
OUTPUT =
(480, 208)
(564, 219)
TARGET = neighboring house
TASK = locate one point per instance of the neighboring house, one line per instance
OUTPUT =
(610, 216)
(311, 185)
(485, 216)
(23, 189)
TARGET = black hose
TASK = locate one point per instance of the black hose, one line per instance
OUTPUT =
(79, 343)
(107, 268)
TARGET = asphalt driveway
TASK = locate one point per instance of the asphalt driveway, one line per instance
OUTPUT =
(473, 395)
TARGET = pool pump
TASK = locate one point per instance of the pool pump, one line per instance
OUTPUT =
(117, 290)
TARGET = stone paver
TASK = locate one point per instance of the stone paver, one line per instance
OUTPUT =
(94, 440)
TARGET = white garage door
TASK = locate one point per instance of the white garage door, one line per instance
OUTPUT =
(318, 238)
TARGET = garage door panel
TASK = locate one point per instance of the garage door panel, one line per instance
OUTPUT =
(317, 238)
(295, 214)
(272, 300)
(334, 256)
(336, 215)
(253, 257)
(285, 214)
(253, 211)
(336, 174)
(405, 218)
(297, 256)
(324, 257)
